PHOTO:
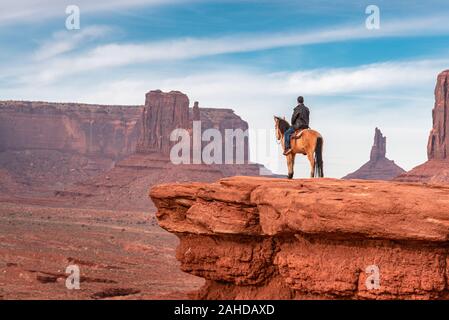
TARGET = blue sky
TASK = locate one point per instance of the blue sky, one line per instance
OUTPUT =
(252, 56)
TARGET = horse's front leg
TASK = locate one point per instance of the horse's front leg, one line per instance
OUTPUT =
(290, 164)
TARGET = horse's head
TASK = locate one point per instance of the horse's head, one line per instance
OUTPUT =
(280, 125)
(276, 127)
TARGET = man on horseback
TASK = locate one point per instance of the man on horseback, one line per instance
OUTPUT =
(300, 121)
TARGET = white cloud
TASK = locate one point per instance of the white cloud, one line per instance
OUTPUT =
(66, 41)
(386, 78)
(119, 55)
(394, 80)
(20, 11)
(367, 78)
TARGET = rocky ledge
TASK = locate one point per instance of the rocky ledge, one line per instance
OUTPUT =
(261, 238)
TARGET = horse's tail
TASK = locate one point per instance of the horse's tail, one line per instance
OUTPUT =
(319, 158)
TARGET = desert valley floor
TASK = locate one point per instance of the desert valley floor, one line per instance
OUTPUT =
(121, 255)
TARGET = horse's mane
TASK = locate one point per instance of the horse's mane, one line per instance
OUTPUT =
(283, 125)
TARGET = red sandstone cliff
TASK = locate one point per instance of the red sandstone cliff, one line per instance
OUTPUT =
(436, 169)
(106, 131)
(260, 238)
(378, 167)
(46, 145)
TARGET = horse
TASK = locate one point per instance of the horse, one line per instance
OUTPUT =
(310, 143)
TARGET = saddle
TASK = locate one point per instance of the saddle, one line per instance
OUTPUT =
(298, 133)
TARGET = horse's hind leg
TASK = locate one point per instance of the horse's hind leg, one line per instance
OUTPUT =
(312, 164)
(290, 164)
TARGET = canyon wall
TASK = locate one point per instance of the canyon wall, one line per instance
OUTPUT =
(264, 238)
(94, 130)
(379, 167)
(44, 146)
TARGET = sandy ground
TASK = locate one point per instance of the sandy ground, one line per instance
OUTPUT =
(121, 255)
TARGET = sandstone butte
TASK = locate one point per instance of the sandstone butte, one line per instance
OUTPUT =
(436, 169)
(267, 238)
(379, 167)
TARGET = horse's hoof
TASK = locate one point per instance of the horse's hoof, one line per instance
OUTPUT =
(290, 176)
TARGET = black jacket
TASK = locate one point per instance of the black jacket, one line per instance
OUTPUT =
(300, 117)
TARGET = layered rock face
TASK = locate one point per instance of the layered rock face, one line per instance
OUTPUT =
(223, 120)
(436, 169)
(378, 167)
(260, 238)
(106, 131)
(166, 111)
(163, 113)
(48, 144)
(438, 146)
